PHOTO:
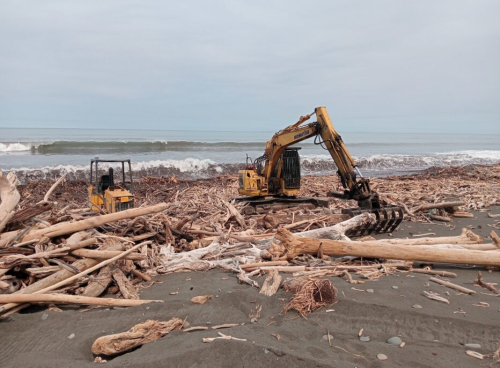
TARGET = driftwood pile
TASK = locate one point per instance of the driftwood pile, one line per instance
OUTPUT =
(53, 249)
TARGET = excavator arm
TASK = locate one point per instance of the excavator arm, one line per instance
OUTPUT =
(276, 174)
(354, 187)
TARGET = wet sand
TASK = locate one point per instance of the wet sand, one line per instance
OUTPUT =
(434, 334)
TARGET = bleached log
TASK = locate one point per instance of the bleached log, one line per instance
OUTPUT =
(431, 206)
(271, 283)
(466, 237)
(237, 215)
(294, 246)
(52, 188)
(452, 286)
(138, 335)
(71, 299)
(71, 227)
(263, 264)
(335, 232)
(106, 254)
(9, 196)
(209, 257)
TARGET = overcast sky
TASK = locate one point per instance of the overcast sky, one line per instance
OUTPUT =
(378, 66)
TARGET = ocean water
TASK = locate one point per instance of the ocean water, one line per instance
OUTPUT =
(47, 153)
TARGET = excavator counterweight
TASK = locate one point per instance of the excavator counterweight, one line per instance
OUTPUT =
(274, 178)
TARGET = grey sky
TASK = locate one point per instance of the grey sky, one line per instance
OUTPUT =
(420, 66)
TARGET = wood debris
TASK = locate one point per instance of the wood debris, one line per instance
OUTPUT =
(138, 335)
(202, 299)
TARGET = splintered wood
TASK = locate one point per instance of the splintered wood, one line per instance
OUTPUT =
(138, 335)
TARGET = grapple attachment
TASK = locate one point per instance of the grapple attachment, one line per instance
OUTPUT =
(388, 219)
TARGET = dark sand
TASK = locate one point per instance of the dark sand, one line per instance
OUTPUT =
(433, 334)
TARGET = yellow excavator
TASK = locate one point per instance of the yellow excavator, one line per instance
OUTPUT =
(104, 194)
(275, 176)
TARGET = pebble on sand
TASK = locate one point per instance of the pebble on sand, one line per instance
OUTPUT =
(371, 291)
(417, 306)
(395, 287)
(394, 341)
(473, 346)
(364, 338)
(381, 357)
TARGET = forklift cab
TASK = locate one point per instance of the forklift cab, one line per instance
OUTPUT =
(104, 194)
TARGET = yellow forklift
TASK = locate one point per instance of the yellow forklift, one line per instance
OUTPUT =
(106, 196)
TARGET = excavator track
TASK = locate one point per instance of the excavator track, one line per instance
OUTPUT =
(265, 204)
(388, 219)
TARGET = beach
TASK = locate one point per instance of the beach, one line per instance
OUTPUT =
(434, 333)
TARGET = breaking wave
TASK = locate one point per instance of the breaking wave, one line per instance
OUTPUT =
(119, 147)
(192, 168)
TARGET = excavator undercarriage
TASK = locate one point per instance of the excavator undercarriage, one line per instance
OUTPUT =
(272, 181)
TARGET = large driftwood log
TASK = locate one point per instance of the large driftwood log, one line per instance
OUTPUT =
(335, 232)
(294, 246)
(71, 227)
(138, 335)
(71, 299)
(9, 197)
(126, 288)
(97, 285)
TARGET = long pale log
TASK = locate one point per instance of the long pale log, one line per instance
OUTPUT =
(52, 188)
(334, 232)
(295, 246)
(8, 194)
(430, 206)
(68, 228)
(263, 264)
(466, 237)
(138, 335)
(71, 299)
(77, 276)
(106, 254)
(434, 272)
(452, 286)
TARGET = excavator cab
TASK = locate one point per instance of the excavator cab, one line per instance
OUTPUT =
(104, 194)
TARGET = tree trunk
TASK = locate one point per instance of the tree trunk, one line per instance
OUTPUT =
(70, 299)
(295, 246)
